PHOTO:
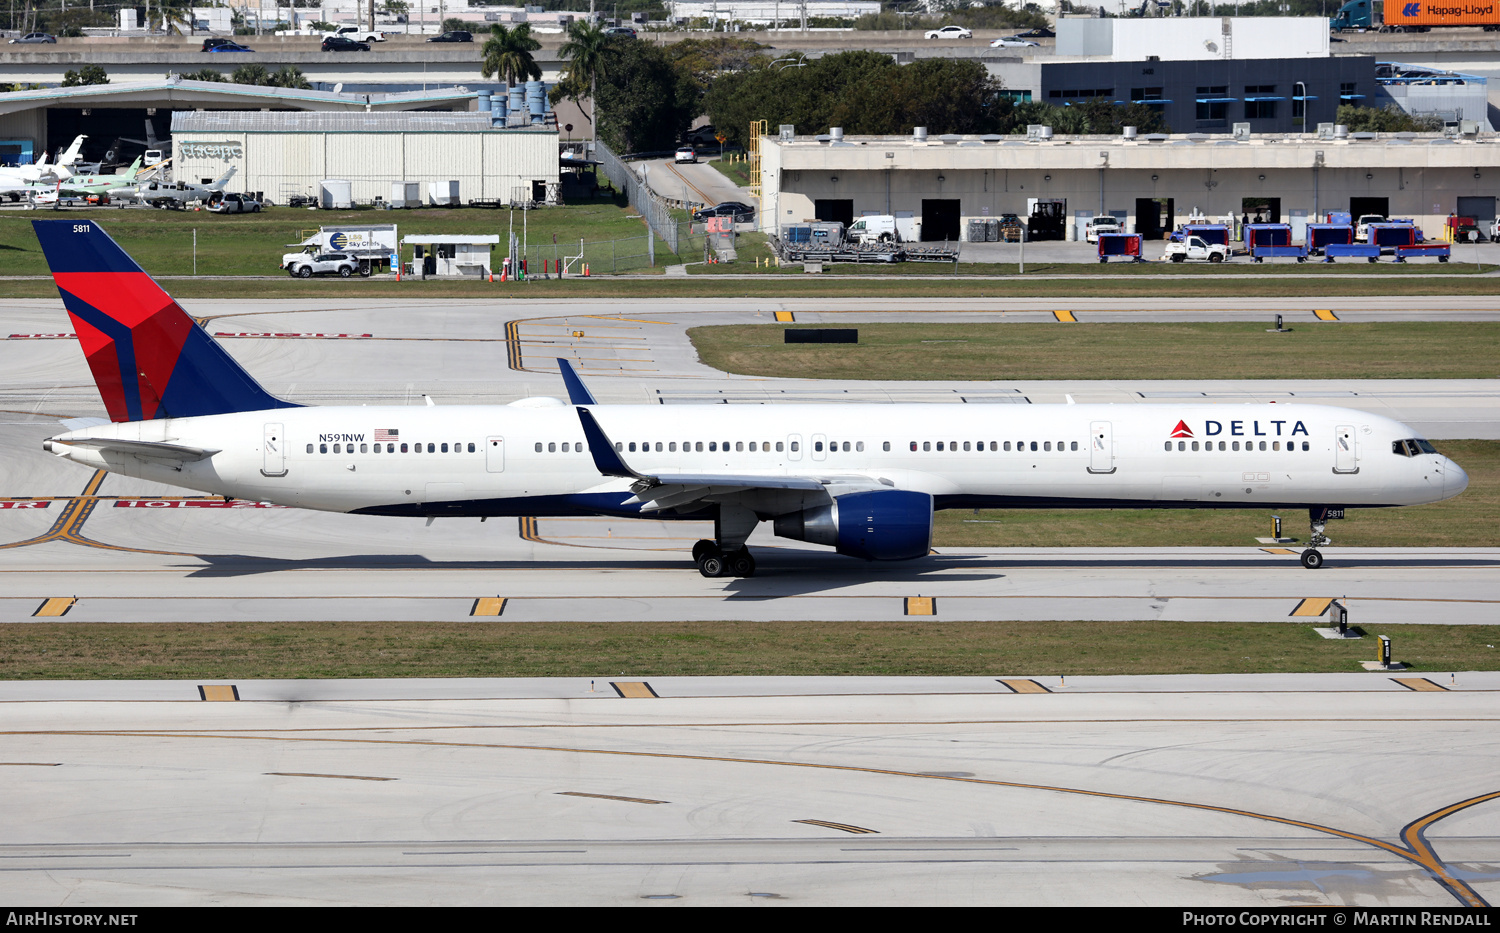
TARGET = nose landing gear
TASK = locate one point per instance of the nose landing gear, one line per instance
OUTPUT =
(1312, 558)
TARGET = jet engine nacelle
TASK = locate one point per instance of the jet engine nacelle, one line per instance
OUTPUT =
(879, 525)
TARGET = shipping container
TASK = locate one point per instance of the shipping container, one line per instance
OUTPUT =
(1415, 15)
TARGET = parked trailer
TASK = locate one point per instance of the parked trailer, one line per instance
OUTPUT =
(1120, 244)
(1212, 234)
(1267, 235)
(848, 252)
(1289, 251)
(1441, 250)
(1392, 235)
(1320, 236)
(1334, 251)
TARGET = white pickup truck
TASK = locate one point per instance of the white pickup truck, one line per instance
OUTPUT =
(1196, 248)
(356, 33)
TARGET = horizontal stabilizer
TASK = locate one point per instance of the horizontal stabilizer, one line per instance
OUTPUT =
(153, 450)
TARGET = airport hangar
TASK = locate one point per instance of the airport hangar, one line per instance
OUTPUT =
(1151, 183)
(286, 142)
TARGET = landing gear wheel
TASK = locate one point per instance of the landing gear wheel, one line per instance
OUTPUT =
(741, 564)
(1312, 558)
(704, 547)
(712, 565)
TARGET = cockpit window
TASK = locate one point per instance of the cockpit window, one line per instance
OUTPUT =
(1412, 447)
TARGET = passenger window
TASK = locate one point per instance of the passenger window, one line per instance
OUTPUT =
(1033, 445)
(859, 446)
(632, 446)
(817, 445)
(619, 447)
(471, 447)
(752, 447)
(966, 445)
(713, 446)
(1305, 446)
(363, 448)
(1262, 445)
(309, 448)
(796, 446)
(778, 446)
(672, 447)
(403, 448)
(953, 447)
(551, 448)
(1276, 445)
(927, 445)
(994, 446)
(1007, 446)
(322, 448)
(429, 448)
(1047, 445)
(658, 446)
(1073, 445)
(1182, 445)
(336, 448)
(739, 446)
(1167, 446)
(698, 447)
(1221, 445)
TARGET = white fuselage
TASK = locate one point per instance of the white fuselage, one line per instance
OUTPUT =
(529, 458)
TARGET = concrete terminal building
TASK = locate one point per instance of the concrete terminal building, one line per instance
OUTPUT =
(1150, 183)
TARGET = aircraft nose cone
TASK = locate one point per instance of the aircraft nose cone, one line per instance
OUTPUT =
(1455, 480)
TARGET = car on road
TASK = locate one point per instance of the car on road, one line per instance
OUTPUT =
(1013, 42)
(213, 42)
(704, 135)
(357, 34)
(625, 31)
(307, 265)
(1040, 32)
(340, 44)
(742, 213)
(685, 154)
(35, 38)
(950, 32)
(226, 47)
(455, 36)
(235, 204)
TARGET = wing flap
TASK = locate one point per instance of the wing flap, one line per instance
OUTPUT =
(152, 450)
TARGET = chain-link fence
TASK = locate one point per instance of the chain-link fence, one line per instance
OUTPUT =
(603, 257)
(643, 199)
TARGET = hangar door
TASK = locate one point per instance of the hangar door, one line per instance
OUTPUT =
(1481, 209)
(940, 219)
(1153, 217)
(835, 210)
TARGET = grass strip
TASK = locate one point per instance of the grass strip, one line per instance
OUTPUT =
(1011, 351)
(604, 650)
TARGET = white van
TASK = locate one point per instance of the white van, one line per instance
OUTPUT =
(874, 228)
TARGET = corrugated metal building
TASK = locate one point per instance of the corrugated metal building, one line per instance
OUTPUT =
(285, 153)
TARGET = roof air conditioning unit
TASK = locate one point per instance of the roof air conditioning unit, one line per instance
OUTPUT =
(788, 132)
(919, 133)
(1341, 131)
(1242, 131)
(1128, 132)
(1325, 130)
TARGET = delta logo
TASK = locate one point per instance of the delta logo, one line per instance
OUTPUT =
(1252, 428)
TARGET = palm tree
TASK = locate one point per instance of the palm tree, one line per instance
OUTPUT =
(508, 53)
(588, 53)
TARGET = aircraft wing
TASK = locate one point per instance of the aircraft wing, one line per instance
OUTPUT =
(152, 450)
(766, 493)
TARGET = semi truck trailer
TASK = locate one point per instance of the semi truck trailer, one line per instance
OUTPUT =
(1416, 15)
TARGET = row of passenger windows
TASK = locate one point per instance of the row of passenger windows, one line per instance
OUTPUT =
(391, 448)
(1235, 445)
(952, 446)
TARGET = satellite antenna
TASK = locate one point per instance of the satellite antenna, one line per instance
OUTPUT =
(338, 88)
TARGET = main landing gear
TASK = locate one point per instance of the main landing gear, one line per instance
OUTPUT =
(1312, 558)
(713, 562)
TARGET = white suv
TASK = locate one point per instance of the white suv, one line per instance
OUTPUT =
(686, 154)
(307, 265)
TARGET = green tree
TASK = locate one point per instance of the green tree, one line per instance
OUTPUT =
(588, 51)
(647, 103)
(88, 74)
(1388, 119)
(204, 74)
(250, 74)
(289, 76)
(507, 52)
(171, 16)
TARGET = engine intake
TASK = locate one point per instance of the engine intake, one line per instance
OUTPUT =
(889, 524)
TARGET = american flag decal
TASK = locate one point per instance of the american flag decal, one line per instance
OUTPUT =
(387, 434)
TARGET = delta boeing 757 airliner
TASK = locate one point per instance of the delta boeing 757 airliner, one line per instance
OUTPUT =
(863, 479)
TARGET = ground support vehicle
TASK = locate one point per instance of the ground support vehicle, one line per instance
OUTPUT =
(1289, 251)
(1127, 245)
(1320, 236)
(934, 252)
(842, 252)
(1266, 235)
(1335, 251)
(1197, 249)
(1441, 250)
(1100, 226)
(371, 247)
(1462, 230)
(881, 228)
(823, 234)
(1049, 220)
(307, 265)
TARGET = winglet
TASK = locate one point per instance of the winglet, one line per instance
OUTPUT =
(606, 458)
(578, 393)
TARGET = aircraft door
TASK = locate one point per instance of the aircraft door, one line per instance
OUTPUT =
(1345, 453)
(794, 447)
(494, 454)
(819, 447)
(1101, 447)
(273, 451)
